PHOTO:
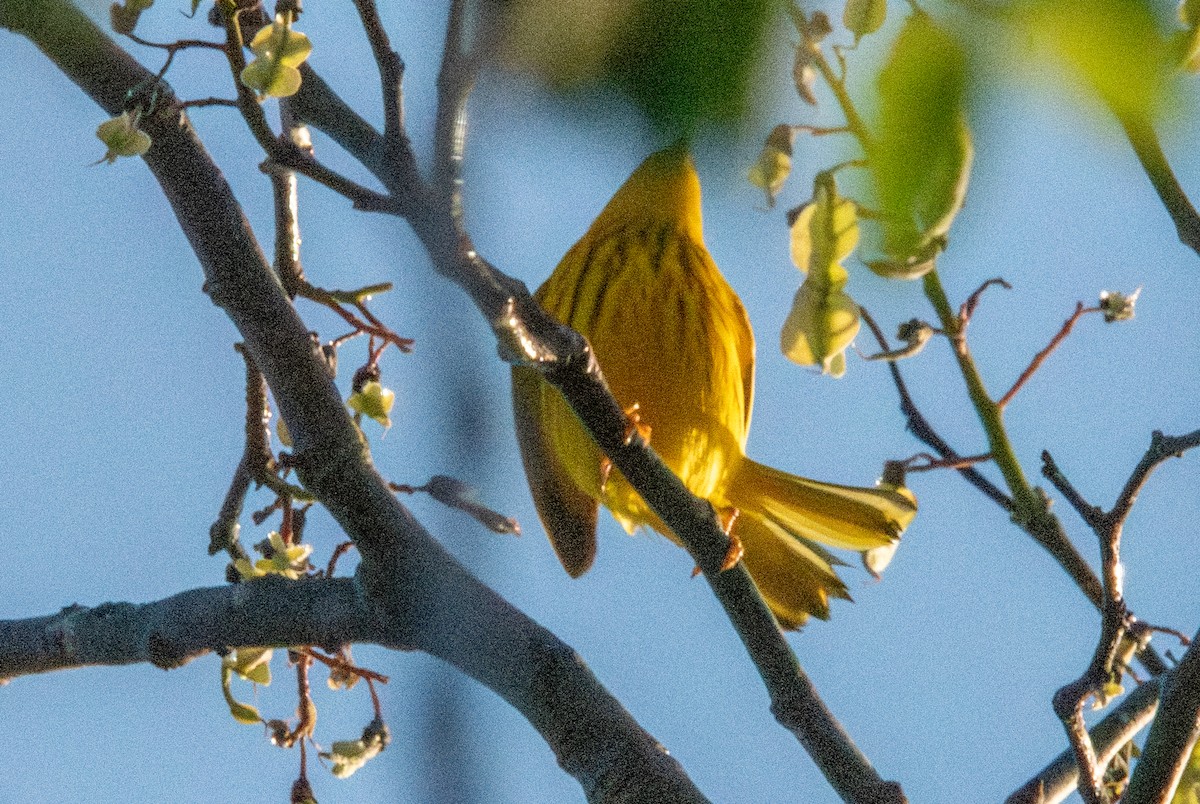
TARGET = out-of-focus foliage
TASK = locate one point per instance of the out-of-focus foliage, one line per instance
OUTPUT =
(774, 163)
(681, 61)
(279, 51)
(1117, 48)
(921, 158)
(862, 17)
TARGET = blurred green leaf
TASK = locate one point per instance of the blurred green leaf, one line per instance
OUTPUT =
(681, 61)
(921, 159)
(863, 17)
(1115, 46)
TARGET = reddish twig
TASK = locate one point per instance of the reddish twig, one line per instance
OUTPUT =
(1040, 357)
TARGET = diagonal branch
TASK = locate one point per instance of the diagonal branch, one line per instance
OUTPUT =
(1173, 735)
(920, 427)
(1144, 140)
(1061, 777)
(425, 598)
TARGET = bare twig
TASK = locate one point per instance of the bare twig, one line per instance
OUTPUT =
(1040, 357)
(968, 307)
(281, 149)
(287, 263)
(1092, 515)
(203, 102)
(1116, 621)
(456, 78)
(1061, 777)
(391, 76)
(920, 427)
(1030, 508)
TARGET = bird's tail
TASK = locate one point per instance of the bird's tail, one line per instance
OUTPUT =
(786, 521)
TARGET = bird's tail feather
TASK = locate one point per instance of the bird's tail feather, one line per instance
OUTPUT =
(784, 521)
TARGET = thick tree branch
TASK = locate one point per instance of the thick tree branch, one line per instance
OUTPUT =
(167, 633)
(425, 598)
(1173, 735)
(528, 336)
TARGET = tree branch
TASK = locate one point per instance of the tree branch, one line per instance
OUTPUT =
(425, 598)
(1144, 139)
(528, 336)
(1061, 777)
(1173, 735)
(168, 633)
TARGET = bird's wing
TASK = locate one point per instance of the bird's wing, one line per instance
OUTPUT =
(567, 512)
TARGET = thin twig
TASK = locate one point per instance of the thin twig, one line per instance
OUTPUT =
(1162, 447)
(1030, 509)
(391, 76)
(285, 196)
(1116, 621)
(920, 427)
(1060, 778)
(968, 307)
(1092, 515)
(202, 102)
(282, 150)
(456, 78)
(1040, 357)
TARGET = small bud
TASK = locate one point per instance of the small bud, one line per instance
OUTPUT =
(374, 401)
(124, 17)
(914, 334)
(863, 17)
(804, 75)
(123, 137)
(349, 755)
(819, 26)
(302, 792)
(774, 163)
(1118, 306)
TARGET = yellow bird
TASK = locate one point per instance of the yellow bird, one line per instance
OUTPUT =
(673, 339)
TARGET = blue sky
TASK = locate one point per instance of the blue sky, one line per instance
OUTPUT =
(123, 398)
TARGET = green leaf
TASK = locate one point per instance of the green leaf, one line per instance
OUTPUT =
(824, 319)
(681, 61)
(863, 17)
(921, 160)
(1116, 47)
(279, 51)
(242, 713)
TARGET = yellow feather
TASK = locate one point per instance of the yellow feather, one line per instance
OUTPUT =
(673, 338)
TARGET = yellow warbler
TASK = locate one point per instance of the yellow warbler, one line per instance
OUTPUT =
(673, 338)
